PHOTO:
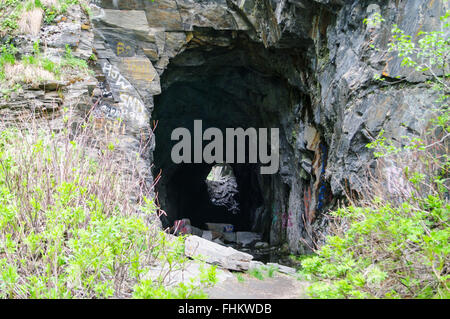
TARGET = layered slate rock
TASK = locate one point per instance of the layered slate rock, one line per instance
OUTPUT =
(46, 97)
(306, 67)
(210, 252)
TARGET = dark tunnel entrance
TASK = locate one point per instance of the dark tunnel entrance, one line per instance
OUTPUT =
(182, 190)
(229, 86)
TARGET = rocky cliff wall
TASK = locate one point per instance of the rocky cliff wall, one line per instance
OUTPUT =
(306, 67)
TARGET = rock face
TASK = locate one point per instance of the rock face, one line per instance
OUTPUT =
(305, 67)
(225, 257)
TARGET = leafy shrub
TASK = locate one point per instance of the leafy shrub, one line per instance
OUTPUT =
(386, 252)
(68, 228)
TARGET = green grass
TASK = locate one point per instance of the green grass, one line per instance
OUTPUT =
(68, 61)
(240, 277)
(263, 272)
(257, 273)
(271, 270)
(395, 244)
(387, 252)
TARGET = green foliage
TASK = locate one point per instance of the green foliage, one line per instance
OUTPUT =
(257, 273)
(38, 60)
(431, 50)
(10, 11)
(9, 14)
(5, 92)
(50, 13)
(70, 61)
(10, 22)
(67, 229)
(262, 272)
(86, 9)
(271, 271)
(428, 54)
(240, 278)
(50, 66)
(374, 21)
(31, 4)
(65, 4)
(386, 250)
(9, 3)
(8, 56)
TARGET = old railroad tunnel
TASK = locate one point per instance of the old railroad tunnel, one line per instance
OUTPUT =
(240, 84)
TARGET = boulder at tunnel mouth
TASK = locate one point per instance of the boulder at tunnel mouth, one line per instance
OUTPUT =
(240, 85)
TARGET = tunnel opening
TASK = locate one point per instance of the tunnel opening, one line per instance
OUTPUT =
(229, 83)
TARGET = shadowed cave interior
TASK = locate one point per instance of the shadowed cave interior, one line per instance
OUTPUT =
(225, 87)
